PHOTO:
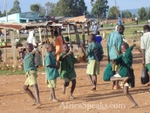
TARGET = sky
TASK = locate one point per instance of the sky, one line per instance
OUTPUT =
(123, 4)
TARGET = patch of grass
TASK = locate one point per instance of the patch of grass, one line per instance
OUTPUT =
(11, 72)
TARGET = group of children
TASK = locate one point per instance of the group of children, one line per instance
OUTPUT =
(67, 72)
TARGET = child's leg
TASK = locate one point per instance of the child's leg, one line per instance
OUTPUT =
(72, 88)
(53, 94)
(90, 79)
(66, 84)
(126, 91)
(36, 91)
(95, 81)
(28, 91)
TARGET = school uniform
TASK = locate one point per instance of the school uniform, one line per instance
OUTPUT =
(51, 73)
(93, 65)
(30, 69)
(67, 71)
(125, 60)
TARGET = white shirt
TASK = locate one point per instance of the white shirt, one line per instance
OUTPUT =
(31, 39)
(145, 44)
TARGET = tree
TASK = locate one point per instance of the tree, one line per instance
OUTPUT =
(70, 8)
(50, 9)
(142, 13)
(1, 14)
(35, 7)
(16, 8)
(148, 13)
(113, 12)
(126, 14)
(100, 7)
(42, 10)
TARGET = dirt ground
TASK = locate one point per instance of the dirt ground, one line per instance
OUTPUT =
(105, 100)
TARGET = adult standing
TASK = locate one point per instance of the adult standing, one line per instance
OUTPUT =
(145, 47)
(31, 38)
(115, 40)
(95, 28)
(119, 21)
(58, 44)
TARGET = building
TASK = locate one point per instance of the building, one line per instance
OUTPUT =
(22, 17)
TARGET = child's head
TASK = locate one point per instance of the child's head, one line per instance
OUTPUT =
(49, 47)
(124, 47)
(91, 38)
(66, 48)
(29, 47)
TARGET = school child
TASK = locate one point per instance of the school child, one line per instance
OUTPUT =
(67, 72)
(125, 61)
(51, 71)
(31, 76)
(93, 65)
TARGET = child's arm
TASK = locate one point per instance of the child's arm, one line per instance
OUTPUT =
(62, 57)
(49, 63)
(118, 60)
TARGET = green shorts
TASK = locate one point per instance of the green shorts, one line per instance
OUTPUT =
(52, 83)
(69, 79)
(93, 67)
(31, 78)
(148, 67)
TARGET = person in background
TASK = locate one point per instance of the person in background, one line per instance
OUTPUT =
(98, 38)
(31, 38)
(145, 48)
(101, 23)
(58, 45)
(119, 21)
(95, 28)
(115, 40)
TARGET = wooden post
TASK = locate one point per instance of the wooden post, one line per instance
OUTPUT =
(13, 49)
(42, 51)
(83, 33)
(69, 35)
(5, 50)
(18, 34)
(77, 34)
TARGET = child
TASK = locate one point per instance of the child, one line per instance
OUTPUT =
(125, 61)
(31, 74)
(51, 71)
(67, 72)
(93, 65)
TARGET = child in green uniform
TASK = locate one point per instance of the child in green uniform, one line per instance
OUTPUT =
(125, 61)
(31, 74)
(51, 71)
(67, 72)
(93, 65)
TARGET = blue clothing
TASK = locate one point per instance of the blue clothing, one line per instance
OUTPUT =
(90, 50)
(95, 29)
(115, 40)
(98, 38)
(119, 22)
(51, 73)
(28, 62)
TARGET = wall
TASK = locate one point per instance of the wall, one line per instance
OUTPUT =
(13, 18)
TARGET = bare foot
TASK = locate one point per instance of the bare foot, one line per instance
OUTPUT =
(63, 90)
(38, 105)
(71, 97)
(94, 88)
(135, 106)
(34, 103)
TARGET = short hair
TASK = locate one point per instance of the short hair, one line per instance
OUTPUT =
(97, 32)
(146, 27)
(125, 45)
(92, 36)
(120, 27)
(30, 45)
(48, 45)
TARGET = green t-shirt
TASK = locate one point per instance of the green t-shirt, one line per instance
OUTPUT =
(28, 62)
(67, 66)
(90, 50)
(51, 73)
(125, 60)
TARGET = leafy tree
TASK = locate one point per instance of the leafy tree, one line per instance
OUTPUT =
(134, 15)
(50, 9)
(70, 8)
(126, 14)
(1, 14)
(148, 13)
(42, 10)
(142, 13)
(16, 8)
(35, 7)
(100, 7)
(113, 12)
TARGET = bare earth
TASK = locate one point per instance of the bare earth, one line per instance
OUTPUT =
(105, 100)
